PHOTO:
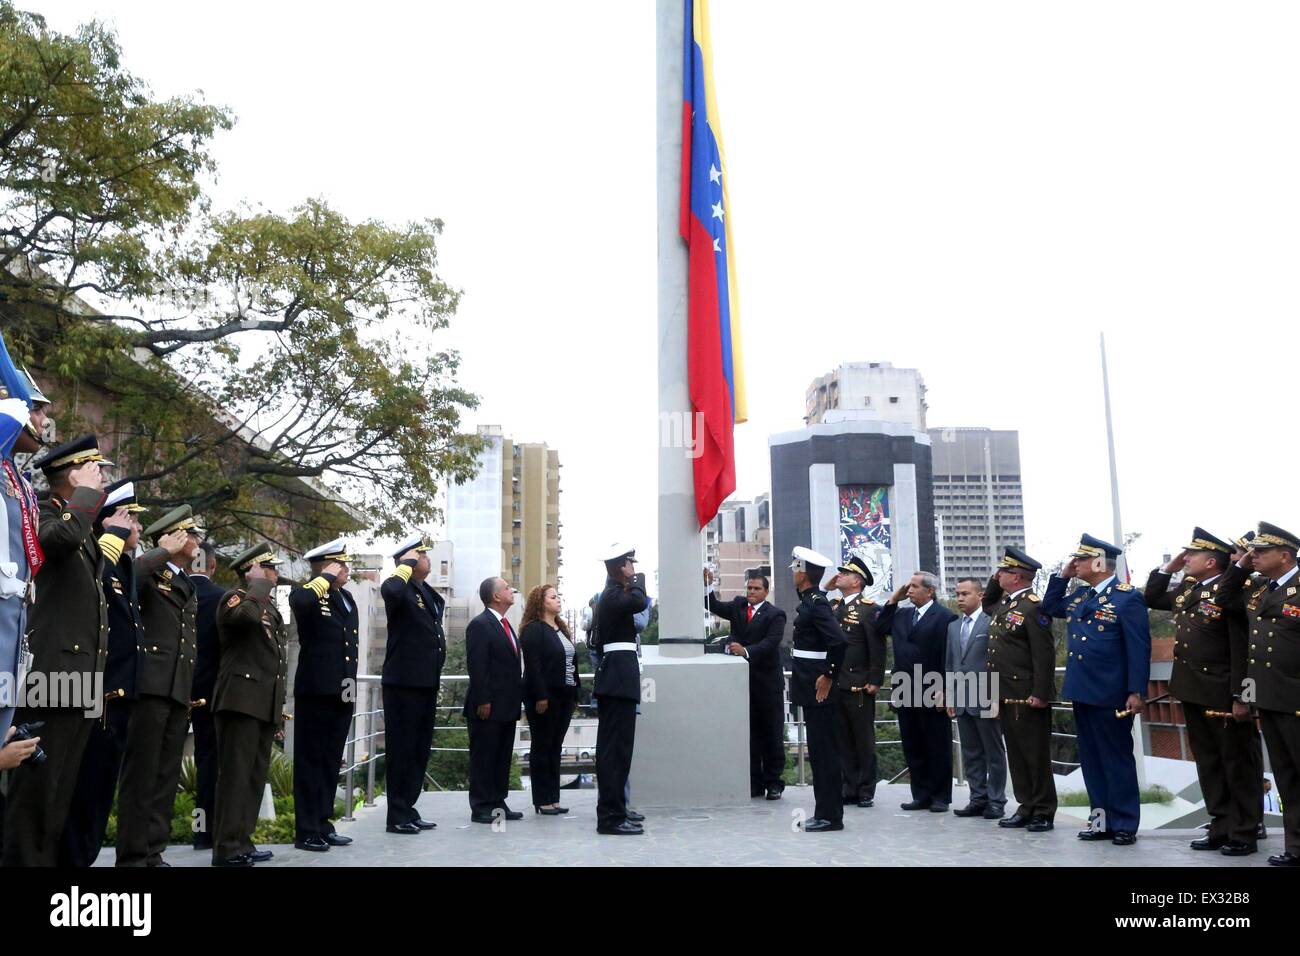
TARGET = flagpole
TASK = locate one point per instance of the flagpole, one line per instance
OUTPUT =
(681, 588)
(1122, 567)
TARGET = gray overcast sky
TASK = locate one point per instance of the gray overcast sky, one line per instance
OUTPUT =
(972, 189)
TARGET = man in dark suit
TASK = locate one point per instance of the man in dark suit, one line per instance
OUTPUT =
(493, 702)
(68, 631)
(1211, 648)
(248, 700)
(757, 628)
(206, 665)
(324, 692)
(617, 689)
(920, 636)
(966, 662)
(413, 663)
(854, 695)
(156, 731)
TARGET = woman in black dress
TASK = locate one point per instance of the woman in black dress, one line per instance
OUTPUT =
(550, 693)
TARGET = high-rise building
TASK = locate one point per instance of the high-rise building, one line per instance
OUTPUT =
(506, 520)
(739, 540)
(979, 504)
(885, 393)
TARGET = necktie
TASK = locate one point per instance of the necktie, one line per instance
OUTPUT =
(1272, 585)
(965, 633)
(510, 634)
(751, 614)
(916, 616)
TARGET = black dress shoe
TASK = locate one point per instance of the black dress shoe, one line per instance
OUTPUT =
(866, 802)
(260, 856)
(425, 824)
(993, 813)
(512, 814)
(1016, 822)
(1238, 848)
(821, 826)
(1039, 824)
(315, 844)
(635, 817)
(773, 794)
(1124, 838)
(937, 807)
(916, 805)
(337, 839)
(626, 828)
(1093, 836)
(482, 818)
(971, 810)
(1209, 843)
(240, 859)
(1284, 859)
(408, 828)
(548, 811)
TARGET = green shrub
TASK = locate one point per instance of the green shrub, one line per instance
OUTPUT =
(279, 774)
(1079, 798)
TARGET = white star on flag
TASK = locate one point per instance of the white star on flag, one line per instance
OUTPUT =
(717, 210)
(717, 245)
(715, 174)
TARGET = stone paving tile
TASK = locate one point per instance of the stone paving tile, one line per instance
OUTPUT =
(757, 835)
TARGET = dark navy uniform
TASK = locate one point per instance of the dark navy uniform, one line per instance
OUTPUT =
(617, 688)
(101, 763)
(160, 716)
(207, 661)
(1209, 672)
(324, 690)
(1109, 658)
(412, 672)
(817, 651)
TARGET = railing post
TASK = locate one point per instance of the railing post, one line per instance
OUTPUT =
(352, 762)
(371, 736)
(799, 714)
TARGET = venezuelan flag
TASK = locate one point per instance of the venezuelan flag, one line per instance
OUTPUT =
(715, 371)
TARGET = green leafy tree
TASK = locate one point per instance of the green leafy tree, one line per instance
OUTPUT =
(246, 353)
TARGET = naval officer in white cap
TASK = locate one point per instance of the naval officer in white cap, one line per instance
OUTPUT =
(815, 659)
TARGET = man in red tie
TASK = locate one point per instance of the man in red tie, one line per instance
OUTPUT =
(492, 702)
(757, 628)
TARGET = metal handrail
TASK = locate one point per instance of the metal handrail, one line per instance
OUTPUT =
(372, 710)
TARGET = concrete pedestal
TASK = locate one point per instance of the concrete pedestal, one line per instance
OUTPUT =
(692, 736)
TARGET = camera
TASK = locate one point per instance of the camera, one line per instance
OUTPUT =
(26, 732)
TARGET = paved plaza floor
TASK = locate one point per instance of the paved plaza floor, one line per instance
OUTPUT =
(761, 834)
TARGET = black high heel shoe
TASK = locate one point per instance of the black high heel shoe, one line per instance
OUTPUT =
(549, 811)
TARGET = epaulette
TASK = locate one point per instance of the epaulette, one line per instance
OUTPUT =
(1123, 587)
(235, 597)
(865, 600)
(1033, 597)
(819, 597)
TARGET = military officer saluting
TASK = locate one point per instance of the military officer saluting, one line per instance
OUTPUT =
(1273, 667)
(1209, 673)
(324, 692)
(119, 531)
(412, 672)
(1107, 669)
(818, 651)
(1022, 658)
(68, 633)
(853, 698)
(160, 716)
(248, 702)
(617, 688)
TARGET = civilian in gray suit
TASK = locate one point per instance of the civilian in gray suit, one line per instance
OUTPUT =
(982, 751)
